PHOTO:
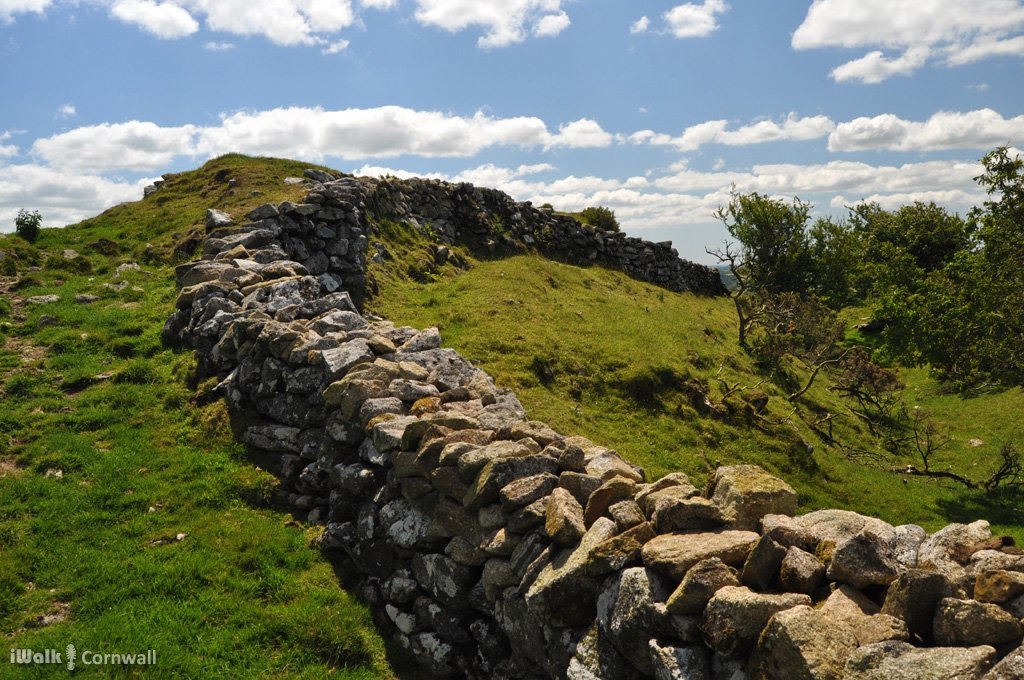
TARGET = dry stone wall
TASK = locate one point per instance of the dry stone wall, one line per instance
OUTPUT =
(492, 546)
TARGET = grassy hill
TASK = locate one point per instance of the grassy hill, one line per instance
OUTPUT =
(130, 518)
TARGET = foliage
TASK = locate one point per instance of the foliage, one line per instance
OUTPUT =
(27, 224)
(600, 217)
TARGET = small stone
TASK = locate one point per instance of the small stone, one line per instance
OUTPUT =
(679, 663)
(619, 551)
(966, 623)
(895, 660)
(701, 582)
(913, 597)
(998, 586)
(674, 554)
(865, 559)
(800, 571)
(735, 617)
(852, 608)
(681, 514)
(801, 644)
(611, 492)
(627, 514)
(564, 521)
(762, 564)
(746, 493)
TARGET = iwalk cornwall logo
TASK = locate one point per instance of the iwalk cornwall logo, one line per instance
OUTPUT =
(70, 658)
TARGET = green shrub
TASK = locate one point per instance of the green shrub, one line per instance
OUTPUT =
(601, 218)
(27, 224)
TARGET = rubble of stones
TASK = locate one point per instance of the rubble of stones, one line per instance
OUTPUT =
(491, 546)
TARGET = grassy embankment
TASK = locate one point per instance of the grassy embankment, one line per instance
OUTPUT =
(108, 458)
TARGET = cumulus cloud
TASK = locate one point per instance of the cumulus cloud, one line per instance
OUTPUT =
(695, 21)
(379, 4)
(981, 129)
(953, 31)
(7, 150)
(164, 20)
(641, 25)
(214, 46)
(62, 197)
(336, 47)
(9, 8)
(551, 25)
(134, 145)
(874, 67)
(792, 128)
(66, 111)
(307, 133)
(505, 22)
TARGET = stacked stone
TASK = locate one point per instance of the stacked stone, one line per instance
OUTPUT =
(490, 545)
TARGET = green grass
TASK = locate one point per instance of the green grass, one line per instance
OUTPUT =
(107, 456)
(596, 353)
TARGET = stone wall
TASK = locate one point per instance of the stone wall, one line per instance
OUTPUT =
(491, 546)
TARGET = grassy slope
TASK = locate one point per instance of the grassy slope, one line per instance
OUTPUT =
(619, 350)
(141, 461)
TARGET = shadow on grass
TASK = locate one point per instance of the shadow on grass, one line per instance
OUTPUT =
(1002, 506)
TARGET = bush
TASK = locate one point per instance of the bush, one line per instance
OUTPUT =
(600, 217)
(27, 224)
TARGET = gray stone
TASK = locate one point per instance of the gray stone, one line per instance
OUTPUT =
(895, 660)
(865, 559)
(674, 554)
(339, 360)
(672, 513)
(746, 493)
(625, 613)
(627, 514)
(800, 571)
(564, 519)
(802, 644)
(1010, 668)
(966, 623)
(564, 594)
(735, 617)
(762, 565)
(702, 581)
(913, 597)
(679, 663)
(853, 609)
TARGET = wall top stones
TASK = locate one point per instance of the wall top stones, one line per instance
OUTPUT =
(492, 546)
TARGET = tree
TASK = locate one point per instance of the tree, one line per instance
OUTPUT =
(601, 218)
(27, 224)
(774, 252)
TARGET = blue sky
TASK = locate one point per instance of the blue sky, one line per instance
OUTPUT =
(654, 109)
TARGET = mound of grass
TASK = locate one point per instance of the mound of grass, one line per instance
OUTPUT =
(629, 365)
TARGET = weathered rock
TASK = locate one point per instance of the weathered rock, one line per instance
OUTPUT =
(679, 663)
(670, 480)
(564, 594)
(913, 597)
(580, 485)
(596, 658)
(950, 548)
(998, 586)
(564, 521)
(735, 617)
(339, 360)
(1010, 668)
(966, 623)
(702, 581)
(627, 514)
(819, 532)
(526, 490)
(619, 551)
(800, 571)
(762, 564)
(746, 493)
(850, 607)
(896, 660)
(446, 580)
(625, 613)
(501, 471)
(612, 491)
(802, 644)
(674, 554)
(679, 514)
(865, 559)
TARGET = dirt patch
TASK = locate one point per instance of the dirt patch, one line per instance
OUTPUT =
(60, 612)
(8, 468)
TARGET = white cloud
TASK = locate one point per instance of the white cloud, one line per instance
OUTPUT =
(8, 8)
(695, 21)
(792, 128)
(505, 21)
(981, 129)
(336, 47)
(62, 198)
(283, 22)
(551, 25)
(213, 46)
(583, 133)
(874, 67)
(66, 111)
(379, 4)
(164, 20)
(7, 150)
(956, 31)
(641, 25)
(134, 145)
